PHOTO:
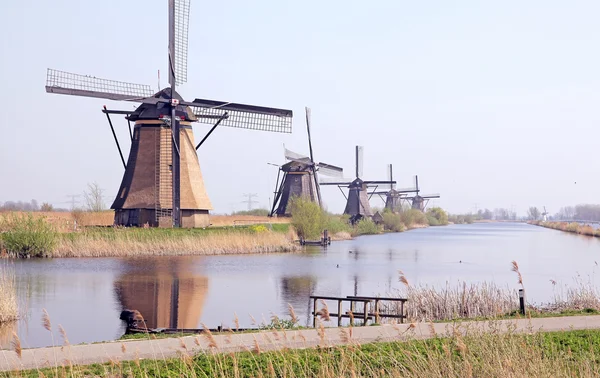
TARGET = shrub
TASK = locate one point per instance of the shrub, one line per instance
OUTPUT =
(307, 218)
(336, 224)
(432, 221)
(411, 217)
(27, 236)
(392, 222)
(440, 216)
(46, 207)
(366, 227)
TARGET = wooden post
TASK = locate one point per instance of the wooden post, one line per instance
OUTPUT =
(339, 312)
(522, 301)
(325, 237)
(315, 313)
(402, 311)
(377, 311)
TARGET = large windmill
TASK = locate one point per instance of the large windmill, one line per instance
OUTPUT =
(357, 201)
(300, 178)
(418, 201)
(393, 197)
(162, 182)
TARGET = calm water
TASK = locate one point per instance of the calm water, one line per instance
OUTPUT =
(86, 296)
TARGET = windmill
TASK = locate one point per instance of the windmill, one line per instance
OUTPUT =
(357, 201)
(545, 215)
(300, 177)
(418, 201)
(162, 182)
(393, 197)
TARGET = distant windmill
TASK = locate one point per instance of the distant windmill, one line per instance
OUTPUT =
(393, 197)
(162, 183)
(300, 177)
(545, 215)
(418, 201)
(357, 201)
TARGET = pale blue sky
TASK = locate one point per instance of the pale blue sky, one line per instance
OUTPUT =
(492, 104)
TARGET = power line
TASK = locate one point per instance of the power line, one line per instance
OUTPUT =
(73, 200)
(250, 201)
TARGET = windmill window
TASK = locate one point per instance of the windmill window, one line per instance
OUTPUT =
(123, 193)
(170, 168)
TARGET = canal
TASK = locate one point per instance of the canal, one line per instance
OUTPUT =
(85, 296)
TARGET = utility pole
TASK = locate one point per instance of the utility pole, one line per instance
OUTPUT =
(250, 200)
(73, 200)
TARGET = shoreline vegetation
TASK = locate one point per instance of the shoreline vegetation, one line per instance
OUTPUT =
(91, 234)
(572, 227)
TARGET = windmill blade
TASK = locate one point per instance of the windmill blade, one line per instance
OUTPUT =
(181, 10)
(243, 116)
(330, 170)
(335, 181)
(436, 195)
(307, 109)
(390, 176)
(68, 83)
(294, 156)
(359, 161)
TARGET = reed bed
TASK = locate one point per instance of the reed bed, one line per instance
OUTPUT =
(475, 300)
(8, 295)
(157, 242)
(573, 227)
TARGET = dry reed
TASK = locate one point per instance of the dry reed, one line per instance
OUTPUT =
(430, 303)
(8, 294)
(123, 243)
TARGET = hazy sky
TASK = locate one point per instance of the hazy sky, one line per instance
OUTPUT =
(490, 104)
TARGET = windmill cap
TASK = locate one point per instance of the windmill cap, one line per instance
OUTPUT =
(155, 111)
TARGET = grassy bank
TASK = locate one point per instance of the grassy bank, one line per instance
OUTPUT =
(467, 353)
(572, 227)
(105, 242)
(28, 235)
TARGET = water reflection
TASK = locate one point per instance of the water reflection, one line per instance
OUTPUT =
(296, 290)
(168, 293)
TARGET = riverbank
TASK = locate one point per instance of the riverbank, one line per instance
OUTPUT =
(525, 347)
(572, 227)
(119, 242)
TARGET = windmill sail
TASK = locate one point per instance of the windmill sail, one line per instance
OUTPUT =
(61, 82)
(330, 170)
(181, 10)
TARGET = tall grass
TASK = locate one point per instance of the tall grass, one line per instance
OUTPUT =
(8, 294)
(475, 300)
(115, 242)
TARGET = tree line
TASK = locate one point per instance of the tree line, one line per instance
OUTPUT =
(93, 197)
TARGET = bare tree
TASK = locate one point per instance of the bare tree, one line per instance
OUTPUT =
(93, 197)
(533, 213)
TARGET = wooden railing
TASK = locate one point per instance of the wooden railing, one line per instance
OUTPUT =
(364, 315)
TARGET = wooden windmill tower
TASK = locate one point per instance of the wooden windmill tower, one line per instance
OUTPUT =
(418, 201)
(162, 179)
(393, 197)
(299, 177)
(357, 201)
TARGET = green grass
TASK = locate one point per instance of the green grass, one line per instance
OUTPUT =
(149, 234)
(574, 353)
(530, 313)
